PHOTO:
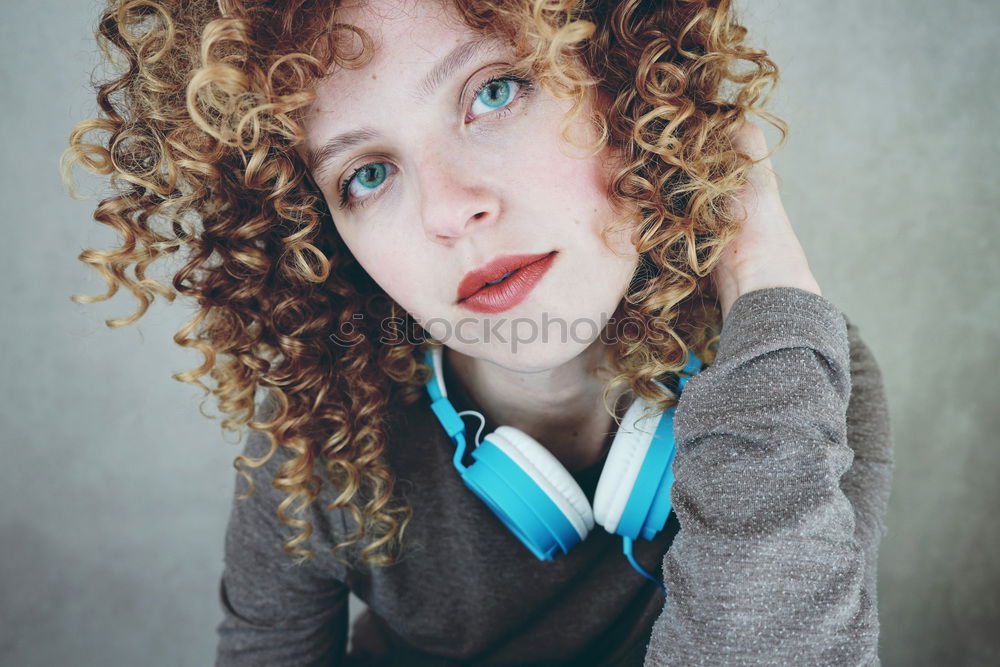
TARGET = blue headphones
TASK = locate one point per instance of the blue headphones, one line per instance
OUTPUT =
(538, 499)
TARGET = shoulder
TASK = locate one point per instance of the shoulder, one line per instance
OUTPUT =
(260, 514)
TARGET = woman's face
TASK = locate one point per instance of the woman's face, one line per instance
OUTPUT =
(445, 174)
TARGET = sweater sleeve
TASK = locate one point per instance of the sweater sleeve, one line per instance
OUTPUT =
(782, 477)
(276, 613)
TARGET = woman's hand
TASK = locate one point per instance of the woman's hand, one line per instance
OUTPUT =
(766, 252)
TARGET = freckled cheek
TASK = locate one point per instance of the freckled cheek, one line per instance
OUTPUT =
(560, 183)
(577, 183)
(585, 196)
(401, 277)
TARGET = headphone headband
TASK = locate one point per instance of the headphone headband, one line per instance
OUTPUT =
(540, 502)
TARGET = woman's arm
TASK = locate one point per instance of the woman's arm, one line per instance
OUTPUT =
(275, 613)
(869, 433)
(782, 478)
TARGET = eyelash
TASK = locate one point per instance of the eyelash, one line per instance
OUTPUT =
(525, 87)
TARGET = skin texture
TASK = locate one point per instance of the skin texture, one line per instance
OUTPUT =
(766, 252)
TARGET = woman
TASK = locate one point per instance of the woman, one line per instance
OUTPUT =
(383, 202)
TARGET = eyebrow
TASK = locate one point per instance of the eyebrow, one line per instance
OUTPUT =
(457, 58)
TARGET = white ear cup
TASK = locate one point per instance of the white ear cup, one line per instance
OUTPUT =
(437, 354)
(628, 451)
(548, 473)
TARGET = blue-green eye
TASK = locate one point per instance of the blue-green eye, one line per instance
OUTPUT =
(368, 177)
(497, 93)
(371, 175)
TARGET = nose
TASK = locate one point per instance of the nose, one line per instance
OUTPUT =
(455, 194)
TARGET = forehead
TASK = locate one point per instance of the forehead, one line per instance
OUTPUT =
(415, 46)
(403, 33)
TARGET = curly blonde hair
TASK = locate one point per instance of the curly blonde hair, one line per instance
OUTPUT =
(199, 129)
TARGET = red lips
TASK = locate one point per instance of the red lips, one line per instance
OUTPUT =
(477, 279)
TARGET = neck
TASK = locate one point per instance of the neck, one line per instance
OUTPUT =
(562, 407)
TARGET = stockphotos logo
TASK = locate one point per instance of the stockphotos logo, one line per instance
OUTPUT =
(490, 331)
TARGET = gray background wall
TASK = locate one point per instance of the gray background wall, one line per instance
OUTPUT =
(114, 490)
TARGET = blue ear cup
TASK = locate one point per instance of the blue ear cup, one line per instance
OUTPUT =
(540, 502)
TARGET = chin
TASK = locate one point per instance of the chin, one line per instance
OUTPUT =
(532, 357)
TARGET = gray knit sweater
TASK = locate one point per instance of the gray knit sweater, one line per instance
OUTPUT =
(783, 470)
